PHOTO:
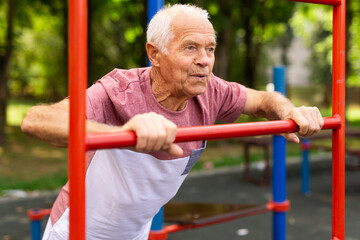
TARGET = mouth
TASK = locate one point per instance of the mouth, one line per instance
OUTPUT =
(199, 75)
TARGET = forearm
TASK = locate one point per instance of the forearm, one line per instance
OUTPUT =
(50, 124)
(270, 105)
(274, 106)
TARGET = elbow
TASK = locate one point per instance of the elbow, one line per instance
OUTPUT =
(27, 123)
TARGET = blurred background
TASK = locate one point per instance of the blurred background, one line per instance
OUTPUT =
(253, 36)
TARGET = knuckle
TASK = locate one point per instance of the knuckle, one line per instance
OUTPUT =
(161, 134)
(172, 127)
(140, 146)
(305, 125)
(152, 137)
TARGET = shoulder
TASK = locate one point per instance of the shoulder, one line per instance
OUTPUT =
(223, 87)
(122, 79)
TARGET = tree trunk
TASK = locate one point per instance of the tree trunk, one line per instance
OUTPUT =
(144, 24)
(3, 98)
(250, 62)
(4, 63)
(221, 68)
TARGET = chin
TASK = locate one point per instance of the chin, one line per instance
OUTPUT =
(199, 91)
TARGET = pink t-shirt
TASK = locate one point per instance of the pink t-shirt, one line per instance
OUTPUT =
(125, 189)
(121, 94)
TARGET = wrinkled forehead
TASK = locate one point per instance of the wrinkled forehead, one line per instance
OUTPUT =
(187, 24)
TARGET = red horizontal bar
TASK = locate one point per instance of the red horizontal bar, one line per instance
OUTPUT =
(36, 214)
(324, 2)
(181, 227)
(211, 132)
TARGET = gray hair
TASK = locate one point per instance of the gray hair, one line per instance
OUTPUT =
(160, 30)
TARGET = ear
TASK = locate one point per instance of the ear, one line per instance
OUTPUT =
(153, 53)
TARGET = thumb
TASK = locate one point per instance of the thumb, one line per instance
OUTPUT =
(292, 137)
(175, 150)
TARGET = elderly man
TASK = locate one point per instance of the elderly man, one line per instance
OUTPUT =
(126, 187)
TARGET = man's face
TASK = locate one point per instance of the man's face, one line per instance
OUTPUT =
(190, 58)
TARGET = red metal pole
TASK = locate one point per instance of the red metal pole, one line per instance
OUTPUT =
(77, 86)
(212, 132)
(325, 2)
(338, 184)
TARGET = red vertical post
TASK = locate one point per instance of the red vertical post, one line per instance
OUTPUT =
(338, 139)
(77, 87)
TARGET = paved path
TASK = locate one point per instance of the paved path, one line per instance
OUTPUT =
(309, 217)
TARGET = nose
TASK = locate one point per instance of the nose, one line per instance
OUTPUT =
(202, 58)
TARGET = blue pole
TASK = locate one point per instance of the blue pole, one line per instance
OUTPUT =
(279, 165)
(153, 7)
(158, 221)
(35, 229)
(305, 167)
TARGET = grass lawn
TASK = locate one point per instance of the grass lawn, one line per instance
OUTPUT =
(29, 164)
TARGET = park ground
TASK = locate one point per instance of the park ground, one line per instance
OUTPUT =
(308, 218)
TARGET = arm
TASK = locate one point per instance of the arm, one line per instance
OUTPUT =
(275, 106)
(50, 123)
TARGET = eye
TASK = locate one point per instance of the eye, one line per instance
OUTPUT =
(211, 49)
(190, 48)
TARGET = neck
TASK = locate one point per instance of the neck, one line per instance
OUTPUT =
(164, 93)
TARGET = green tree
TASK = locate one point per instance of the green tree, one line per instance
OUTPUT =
(39, 65)
(6, 48)
(117, 36)
(242, 30)
(353, 43)
(314, 25)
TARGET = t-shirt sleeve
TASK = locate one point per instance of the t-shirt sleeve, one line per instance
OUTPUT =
(230, 98)
(96, 100)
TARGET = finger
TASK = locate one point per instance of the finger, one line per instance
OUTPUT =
(300, 120)
(171, 130)
(175, 150)
(142, 133)
(291, 137)
(312, 116)
(136, 124)
(316, 120)
(319, 118)
(309, 114)
(151, 122)
(160, 134)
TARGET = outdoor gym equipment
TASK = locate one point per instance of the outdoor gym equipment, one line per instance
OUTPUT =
(79, 141)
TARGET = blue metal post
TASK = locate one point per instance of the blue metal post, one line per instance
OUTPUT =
(35, 229)
(153, 7)
(279, 165)
(305, 167)
(158, 221)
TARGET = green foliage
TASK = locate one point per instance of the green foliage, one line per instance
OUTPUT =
(117, 39)
(354, 45)
(37, 66)
(314, 25)
(117, 36)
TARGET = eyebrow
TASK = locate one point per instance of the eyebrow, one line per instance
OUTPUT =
(190, 42)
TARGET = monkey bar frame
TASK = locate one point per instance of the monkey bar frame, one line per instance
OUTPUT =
(79, 141)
